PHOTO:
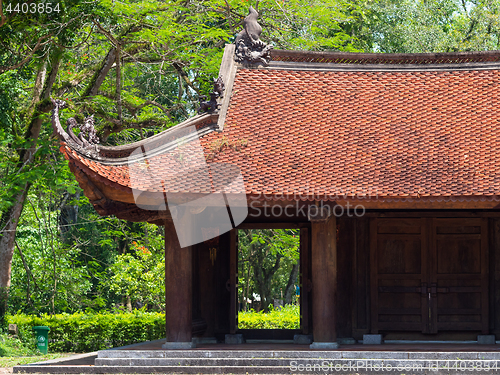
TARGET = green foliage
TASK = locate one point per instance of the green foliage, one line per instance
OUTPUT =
(89, 332)
(140, 275)
(265, 262)
(48, 275)
(171, 50)
(315, 25)
(15, 347)
(68, 262)
(411, 26)
(288, 317)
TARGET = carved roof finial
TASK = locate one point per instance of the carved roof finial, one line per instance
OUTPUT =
(212, 105)
(87, 140)
(249, 48)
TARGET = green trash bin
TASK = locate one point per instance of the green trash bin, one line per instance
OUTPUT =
(42, 338)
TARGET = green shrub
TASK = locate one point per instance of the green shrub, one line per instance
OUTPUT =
(89, 332)
(286, 318)
(14, 347)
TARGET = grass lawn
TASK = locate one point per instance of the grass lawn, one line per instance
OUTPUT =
(14, 361)
(15, 352)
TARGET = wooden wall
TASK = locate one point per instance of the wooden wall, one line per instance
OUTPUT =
(210, 293)
(211, 297)
(353, 255)
(494, 253)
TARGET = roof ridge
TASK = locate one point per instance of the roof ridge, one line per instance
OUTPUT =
(336, 57)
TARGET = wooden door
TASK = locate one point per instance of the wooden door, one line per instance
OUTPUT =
(398, 274)
(429, 275)
(459, 283)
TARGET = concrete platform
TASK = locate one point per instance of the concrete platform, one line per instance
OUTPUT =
(279, 358)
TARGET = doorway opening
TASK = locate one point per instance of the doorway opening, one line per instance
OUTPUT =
(268, 279)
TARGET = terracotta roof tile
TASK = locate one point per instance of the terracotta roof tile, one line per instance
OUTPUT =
(394, 133)
(386, 134)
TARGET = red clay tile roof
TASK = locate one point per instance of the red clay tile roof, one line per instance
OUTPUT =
(387, 134)
(393, 134)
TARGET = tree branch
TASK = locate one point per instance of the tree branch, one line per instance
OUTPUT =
(26, 267)
(118, 126)
(185, 77)
(38, 45)
(100, 74)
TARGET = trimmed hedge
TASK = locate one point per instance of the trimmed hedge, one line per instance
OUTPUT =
(286, 318)
(96, 331)
(89, 332)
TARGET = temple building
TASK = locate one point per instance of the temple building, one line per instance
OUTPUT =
(387, 163)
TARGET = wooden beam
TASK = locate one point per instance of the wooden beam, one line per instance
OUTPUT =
(415, 204)
(178, 287)
(324, 278)
(435, 213)
(273, 225)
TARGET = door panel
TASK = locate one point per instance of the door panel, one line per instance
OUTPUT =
(459, 250)
(429, 275)
(398, 274)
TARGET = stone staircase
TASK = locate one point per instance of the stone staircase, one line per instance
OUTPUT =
(201, 361)
(290, 362)
(209, 361)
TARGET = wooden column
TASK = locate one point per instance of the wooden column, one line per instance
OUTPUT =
(233, 272)
(324, 280)
(178, 290)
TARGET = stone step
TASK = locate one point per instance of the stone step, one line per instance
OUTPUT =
(265, 362)
(216, 354)
(338, 366)
(294, 354)
(202, 361)
(211, 362)
(150, 370)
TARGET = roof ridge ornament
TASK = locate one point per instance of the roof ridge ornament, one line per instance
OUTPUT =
(87, 140)
(212, 104)
(249, 48)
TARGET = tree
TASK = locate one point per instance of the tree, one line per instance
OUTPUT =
(135, 65)
(268, 264)
(139, 276)
(435, 25)
(32, 46)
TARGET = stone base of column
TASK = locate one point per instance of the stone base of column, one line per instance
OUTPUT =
(324, 345)
(372, 339)
(486, 339)
(235, 339)
(204, 340)
(302, 339)
(178, 345)
(346, 340)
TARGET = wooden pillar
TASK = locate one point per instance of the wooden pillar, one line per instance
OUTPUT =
(178, 290)
(324, 280)
(233, 272)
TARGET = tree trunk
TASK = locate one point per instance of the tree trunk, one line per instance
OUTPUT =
(10, 217)
(263, 278)
(7, 249)
(129, 303)
(68, 214)
(290, 286)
